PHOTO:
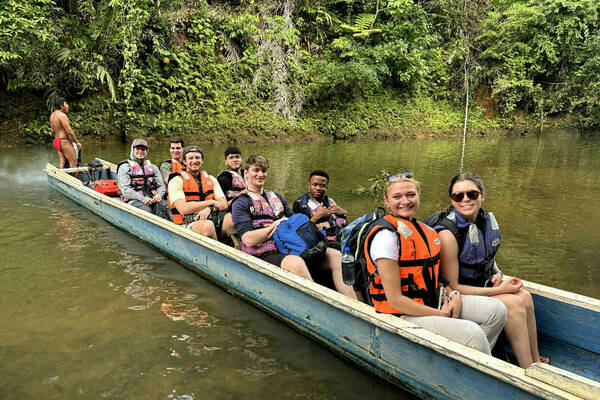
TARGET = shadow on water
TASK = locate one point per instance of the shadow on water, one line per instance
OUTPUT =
(93, 312)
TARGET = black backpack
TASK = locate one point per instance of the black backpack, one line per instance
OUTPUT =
(438, 218)
(353, 238)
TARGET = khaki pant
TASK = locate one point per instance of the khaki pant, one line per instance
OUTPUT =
(481, 320)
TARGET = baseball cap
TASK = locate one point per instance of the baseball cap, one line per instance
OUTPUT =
(140, 142)
(192, 149)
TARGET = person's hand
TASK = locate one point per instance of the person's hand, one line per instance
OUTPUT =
(277, 222)
(219, 206)
(202, 214)
(156, 198)
(274, 225)
(446, 308)
(497, 278)
(511, 285)
(147, 201)
(321, 212)
(456, 305)
(517, 282)
(335, 209)
(78, 144)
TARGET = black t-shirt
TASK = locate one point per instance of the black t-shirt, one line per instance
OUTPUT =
(225, 181)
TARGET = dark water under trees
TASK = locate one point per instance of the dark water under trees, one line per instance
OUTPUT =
(91, 312)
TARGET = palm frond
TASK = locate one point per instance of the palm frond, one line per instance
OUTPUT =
(104, 77)
(363, 22)
(63, 54)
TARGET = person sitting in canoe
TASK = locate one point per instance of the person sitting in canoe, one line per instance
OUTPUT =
(140, 182)
(470, 239)
(322, 210)
(232, 180)
(196, 199)
(175, 163)
(258, 212)
(402, 256)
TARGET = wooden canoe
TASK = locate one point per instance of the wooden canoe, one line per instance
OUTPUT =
(413, 358)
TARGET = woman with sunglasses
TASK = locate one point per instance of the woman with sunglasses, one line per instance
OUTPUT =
(402, 257)
(470, 239)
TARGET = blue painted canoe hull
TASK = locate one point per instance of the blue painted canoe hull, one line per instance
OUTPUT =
(414, 359)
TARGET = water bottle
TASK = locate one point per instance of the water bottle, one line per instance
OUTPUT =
(348, 267)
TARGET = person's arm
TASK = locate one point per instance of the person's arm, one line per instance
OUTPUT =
(242, 221)
(391, 281)
(257, 236)
(449, 268)
(66, 124)
(191, 207)
(221, 203)
(165, 171)
(162, 187)
(498, 275)
(334, 208)
(124, 183)
(320, 213)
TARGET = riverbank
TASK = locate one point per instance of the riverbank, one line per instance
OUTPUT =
(386, 115)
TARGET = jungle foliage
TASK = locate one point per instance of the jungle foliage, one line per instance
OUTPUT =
(268, 67)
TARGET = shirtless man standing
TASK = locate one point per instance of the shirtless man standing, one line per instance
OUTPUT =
(64, 137)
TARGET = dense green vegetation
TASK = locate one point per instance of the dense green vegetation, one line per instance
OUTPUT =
(250, 68)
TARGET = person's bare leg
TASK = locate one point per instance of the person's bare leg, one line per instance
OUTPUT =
(62, 161)
(227, 229)
(296, 265)
(516, 328)
(333, 262)
(531, 326)
(69, 153)
(205, 228)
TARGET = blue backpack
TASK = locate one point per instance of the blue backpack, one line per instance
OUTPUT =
(298, 236)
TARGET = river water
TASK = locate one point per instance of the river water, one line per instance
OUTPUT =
(92, 312)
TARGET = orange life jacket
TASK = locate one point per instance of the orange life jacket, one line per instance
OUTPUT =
(419, 260)
(192, 191)
(176, 166)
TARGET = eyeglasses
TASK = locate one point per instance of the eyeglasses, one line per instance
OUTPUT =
(471, 194)
(406, 175)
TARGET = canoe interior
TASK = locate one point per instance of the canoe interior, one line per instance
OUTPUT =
(568, 333)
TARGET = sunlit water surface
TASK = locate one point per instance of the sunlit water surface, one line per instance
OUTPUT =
(91, 312)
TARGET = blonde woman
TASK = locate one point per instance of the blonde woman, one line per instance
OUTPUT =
(402, 255)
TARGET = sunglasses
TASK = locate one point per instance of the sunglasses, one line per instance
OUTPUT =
(406, 175)
(471, 194)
